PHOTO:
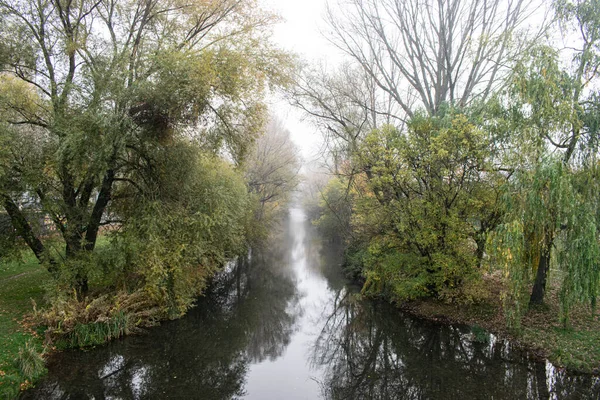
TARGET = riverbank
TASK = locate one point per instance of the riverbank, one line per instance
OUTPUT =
(20, 282)
(574, 348)
(31, 329)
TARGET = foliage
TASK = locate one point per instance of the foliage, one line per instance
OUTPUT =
(175, 240)
(551, 148)
(71, 322)
(335, 204)
(424, 209)
(550, 207)
(91, 91)
(30, 362)
(579, 257)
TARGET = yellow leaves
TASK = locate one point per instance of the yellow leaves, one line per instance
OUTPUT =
(442, 153)
(25, 385)
(17, 97)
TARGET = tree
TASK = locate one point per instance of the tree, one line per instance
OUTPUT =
(272, 168)
(102, 84)
(414, 60)
(585, 19)
(427, 53)
(427, 197)
(345, 104)
(552, 110)
(176, 239)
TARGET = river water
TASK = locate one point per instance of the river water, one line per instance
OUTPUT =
(287, 325)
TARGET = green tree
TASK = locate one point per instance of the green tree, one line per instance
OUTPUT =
(426, 206)
(90, 90)
(177, 238)
(552, 110)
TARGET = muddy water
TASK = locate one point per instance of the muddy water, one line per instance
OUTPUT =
(287, 325)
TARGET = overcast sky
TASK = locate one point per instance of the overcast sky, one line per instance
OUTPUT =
(299, 32)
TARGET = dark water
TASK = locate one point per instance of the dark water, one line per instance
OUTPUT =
(287, 326)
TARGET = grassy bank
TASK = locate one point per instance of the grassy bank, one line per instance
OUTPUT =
(63, 320)
(20, 282)
(574, 348)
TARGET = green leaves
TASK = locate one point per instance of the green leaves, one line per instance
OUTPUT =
(552, 207)
(93, 96)
(425, 183)
(194, 223)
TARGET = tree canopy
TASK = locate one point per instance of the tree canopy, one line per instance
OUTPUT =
(464, 140)
(93, 93)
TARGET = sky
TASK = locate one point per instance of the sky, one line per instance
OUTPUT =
(299, 32)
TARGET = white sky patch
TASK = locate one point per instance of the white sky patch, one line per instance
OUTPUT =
(300, 32)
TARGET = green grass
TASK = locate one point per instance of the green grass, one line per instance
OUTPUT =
(575, 349)
(20, 281)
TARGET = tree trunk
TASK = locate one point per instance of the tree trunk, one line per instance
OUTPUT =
(539, 287)
(95, 221)
(480, 251)
(24, 230)
(75, 248)
(81, 286)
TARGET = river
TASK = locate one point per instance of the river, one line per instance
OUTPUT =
(288, 325)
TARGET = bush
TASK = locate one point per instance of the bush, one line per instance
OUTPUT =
(30, 362)
(417, 217)
(71, 322)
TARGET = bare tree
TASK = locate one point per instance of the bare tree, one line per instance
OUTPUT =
(272, 167)
(344, 104)
(434, 51)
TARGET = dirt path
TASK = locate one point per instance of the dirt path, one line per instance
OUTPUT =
(10, 278)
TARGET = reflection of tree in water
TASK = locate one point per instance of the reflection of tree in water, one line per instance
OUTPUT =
(366, 353)
(325, 258)
(247, 316)
(267, 303)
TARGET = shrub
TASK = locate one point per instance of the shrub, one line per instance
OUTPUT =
(30, 362)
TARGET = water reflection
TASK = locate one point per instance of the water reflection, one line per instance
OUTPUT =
(285, 324)
(247, 316)
(371, 352)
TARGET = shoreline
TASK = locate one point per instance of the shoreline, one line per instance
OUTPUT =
(489, 316)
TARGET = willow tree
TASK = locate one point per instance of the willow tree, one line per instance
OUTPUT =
(552, 199)
(87, 88)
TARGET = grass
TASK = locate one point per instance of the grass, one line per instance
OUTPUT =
(96, 333)
(576, 348)
(20, 282)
